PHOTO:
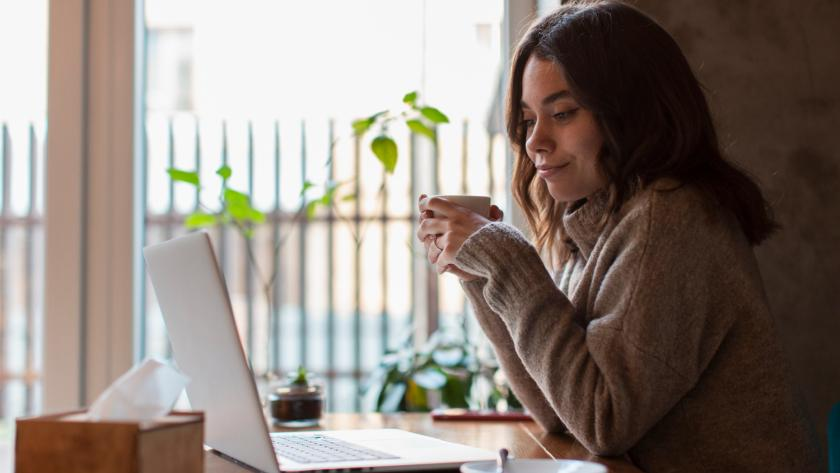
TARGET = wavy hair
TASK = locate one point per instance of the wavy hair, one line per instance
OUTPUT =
(631, 74)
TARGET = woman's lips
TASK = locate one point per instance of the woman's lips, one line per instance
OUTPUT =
(547, 172)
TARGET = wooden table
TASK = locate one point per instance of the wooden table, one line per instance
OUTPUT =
(522, 439)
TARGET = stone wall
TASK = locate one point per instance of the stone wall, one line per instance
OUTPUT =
(772, 73)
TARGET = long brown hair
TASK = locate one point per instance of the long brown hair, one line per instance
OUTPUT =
(631, 74)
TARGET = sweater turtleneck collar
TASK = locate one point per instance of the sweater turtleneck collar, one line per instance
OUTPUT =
(582, 221)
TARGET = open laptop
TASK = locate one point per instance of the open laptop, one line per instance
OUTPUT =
(194, 300)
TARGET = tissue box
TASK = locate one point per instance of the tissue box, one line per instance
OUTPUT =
(69, 443)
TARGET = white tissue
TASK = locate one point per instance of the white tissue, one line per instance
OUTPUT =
(146, 391)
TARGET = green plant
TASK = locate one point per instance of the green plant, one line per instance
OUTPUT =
(447, 371)
(235, 208)
(420, 119)
(301, 377)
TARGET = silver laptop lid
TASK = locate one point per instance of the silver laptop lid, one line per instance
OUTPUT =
(193, 297)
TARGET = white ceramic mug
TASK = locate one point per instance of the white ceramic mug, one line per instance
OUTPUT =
(534, 466)
(479, 204)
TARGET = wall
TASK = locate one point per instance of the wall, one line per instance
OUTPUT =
(772, 70)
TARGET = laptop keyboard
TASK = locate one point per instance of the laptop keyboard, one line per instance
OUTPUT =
(322, 448)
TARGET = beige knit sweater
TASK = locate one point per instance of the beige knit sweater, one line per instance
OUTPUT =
(657, 343)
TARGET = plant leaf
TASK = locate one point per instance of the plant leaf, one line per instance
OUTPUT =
(199, 220)
(224, 171)
(361, 126)
(419, 127)
(410, 98)
(255, 216)
(435, 115)
(385, 150)
(306, 186)
(393, 397)
(190, 177)
(454, 393)
(236, 198)
(430, 378)
(348, 198)
(301, 377)
(311, 208)
(329, 196)
(239, 207)
(448, 356)
(238, 212)
(415, 397)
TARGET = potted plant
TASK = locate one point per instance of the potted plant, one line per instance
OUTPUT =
(446, 372)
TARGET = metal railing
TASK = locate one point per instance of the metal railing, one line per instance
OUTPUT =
(340, 337)
(21, 263)
(337, 305)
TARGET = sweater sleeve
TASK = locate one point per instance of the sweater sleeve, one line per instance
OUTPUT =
(523, 386)
(652, 328)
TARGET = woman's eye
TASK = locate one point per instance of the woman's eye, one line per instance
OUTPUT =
(565, 115)
(525, 123)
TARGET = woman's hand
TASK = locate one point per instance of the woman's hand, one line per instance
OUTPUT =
(444, 227)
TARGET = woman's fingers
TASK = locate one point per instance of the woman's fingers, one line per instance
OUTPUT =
(431, 226)
(440, 207)
(433, 250)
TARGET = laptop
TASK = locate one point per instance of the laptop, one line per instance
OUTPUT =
(196, 308)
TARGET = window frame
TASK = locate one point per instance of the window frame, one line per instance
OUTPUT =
(94, 198)
(91, 223)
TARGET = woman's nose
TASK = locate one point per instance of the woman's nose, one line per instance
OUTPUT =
(540, 140)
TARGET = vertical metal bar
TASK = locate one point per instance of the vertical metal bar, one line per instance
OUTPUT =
(331, 281)
(275, 238)
(5, 148)
(464, 155)
(29, 277)
(141, 194)
(491, 181)
(302, 253)
(223, 228)
(433, 307)
(357, 274)
(170, 210)
(197, 162)
(414, 246)
(384, 221)
(465, 128)
(249, 269)
(170, 162)
(142, 303)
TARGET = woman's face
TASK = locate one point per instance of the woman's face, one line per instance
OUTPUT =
(562, 138)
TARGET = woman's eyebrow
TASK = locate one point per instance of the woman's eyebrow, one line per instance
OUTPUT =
(550, 98)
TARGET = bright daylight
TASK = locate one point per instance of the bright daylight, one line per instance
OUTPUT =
(416, 235)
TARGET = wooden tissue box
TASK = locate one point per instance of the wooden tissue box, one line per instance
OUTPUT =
(69, 443)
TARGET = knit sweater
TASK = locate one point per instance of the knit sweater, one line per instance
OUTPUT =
(658, 342)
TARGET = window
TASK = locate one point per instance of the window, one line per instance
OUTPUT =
(267, 88)
(23, 49)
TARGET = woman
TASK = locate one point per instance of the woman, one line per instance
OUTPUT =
(654, 337)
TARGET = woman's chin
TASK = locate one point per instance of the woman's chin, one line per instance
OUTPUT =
(564, 196)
